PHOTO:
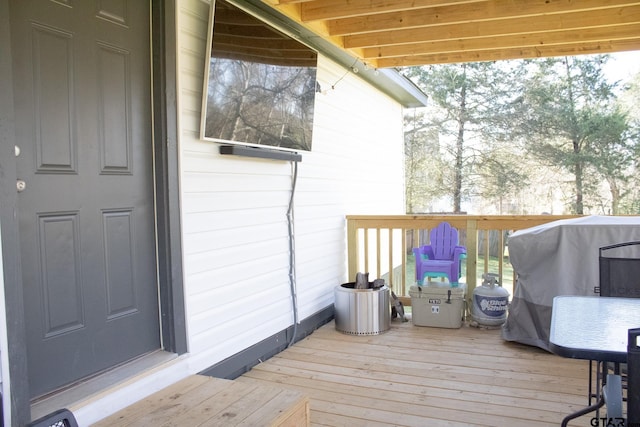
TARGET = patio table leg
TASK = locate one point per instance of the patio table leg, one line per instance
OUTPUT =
(599, 395)
(599, 404)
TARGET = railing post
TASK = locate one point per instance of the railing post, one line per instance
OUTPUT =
(500, 254)
(472, 258)
(352, 249)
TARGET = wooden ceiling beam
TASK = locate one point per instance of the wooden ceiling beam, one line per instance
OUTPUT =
(396, 33)
(505, 54)
(292, 10)
(465, 13)
(340, 9)
(568, 22)
(526, 40)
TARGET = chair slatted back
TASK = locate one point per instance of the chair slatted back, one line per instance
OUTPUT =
(620, 275)
(444, 239)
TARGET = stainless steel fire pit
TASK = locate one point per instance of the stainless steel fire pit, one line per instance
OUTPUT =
(362, 311)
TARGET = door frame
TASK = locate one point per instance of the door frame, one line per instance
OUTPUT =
(166, 178)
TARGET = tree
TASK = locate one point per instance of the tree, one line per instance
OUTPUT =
(568, 119)
(468, 108)
(502, 176)
(517, 135)
(612, 153)
(424, 165)
(628, 103)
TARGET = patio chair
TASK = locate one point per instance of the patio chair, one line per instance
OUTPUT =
(59, 418)
(442, 256)
(618, 278)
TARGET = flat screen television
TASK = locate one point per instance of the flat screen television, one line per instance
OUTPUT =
(260, 83)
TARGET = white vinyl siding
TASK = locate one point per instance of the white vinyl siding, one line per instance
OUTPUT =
(236, 251)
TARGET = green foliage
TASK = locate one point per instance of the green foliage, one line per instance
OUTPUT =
(568, 118)
(468, 107)
(424, 165)
(552, 127)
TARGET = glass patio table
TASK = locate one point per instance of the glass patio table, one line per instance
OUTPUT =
(595, 328)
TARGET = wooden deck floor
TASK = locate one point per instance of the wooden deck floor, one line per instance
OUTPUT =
(420, 376)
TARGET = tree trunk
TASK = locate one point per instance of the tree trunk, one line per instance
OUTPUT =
(575, 140)
(615, 195)
(462, 118)
(579, 180)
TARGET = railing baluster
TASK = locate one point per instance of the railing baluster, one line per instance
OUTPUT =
(403, 272)
(486, 251)
(352, 249)
(500, 253)
(472, 258)
(378, 266)
(390, 255)
(366, 251)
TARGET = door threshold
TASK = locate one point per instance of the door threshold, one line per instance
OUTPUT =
(87, 388)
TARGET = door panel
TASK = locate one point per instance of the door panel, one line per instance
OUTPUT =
(86, 217)
(56, 143)
(60, 270)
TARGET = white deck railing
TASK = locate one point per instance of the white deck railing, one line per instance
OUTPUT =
(381, 245)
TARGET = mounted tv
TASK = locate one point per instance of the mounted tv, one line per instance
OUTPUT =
(260, 86)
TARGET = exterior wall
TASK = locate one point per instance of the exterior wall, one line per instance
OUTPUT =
(234, 209)
(234, 223)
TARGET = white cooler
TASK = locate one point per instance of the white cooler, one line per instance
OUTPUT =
(437, 305)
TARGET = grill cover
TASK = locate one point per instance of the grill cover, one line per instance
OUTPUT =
(558, 258)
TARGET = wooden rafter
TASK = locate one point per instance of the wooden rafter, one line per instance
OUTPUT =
(396, 33)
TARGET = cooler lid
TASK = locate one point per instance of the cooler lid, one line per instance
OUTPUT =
(438, 290)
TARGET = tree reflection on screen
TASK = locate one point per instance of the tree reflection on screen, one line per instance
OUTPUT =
(261, 84)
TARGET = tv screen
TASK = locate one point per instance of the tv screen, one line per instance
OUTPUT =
(260, 86)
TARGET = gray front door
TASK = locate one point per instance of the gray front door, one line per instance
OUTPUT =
(86, 213)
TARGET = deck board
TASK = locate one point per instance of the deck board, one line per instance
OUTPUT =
(205, 401)
(416, 376)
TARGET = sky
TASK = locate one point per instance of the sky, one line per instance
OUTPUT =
(623, 65)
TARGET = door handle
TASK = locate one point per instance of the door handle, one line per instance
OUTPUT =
(21, 185)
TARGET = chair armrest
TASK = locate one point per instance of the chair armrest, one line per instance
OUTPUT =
(423, 252)
(427, 251)
(459, 252)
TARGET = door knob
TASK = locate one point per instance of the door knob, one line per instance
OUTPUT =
(21, 185)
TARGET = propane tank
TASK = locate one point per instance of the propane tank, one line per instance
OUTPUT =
(490, 302)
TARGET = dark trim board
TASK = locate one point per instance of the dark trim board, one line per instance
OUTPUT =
(242, 362)
(165, 113)
(17, 376)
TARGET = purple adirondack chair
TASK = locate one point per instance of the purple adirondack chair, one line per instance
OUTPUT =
(441, 256)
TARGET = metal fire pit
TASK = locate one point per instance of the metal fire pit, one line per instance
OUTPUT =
(362, 311)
